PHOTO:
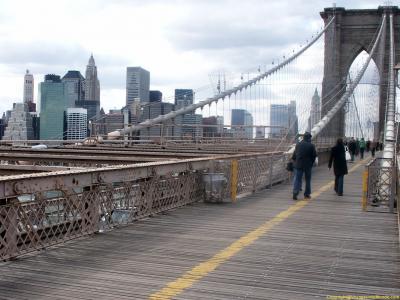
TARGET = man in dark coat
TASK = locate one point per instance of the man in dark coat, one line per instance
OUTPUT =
(338, 157)
(352, 148)
(303, 157)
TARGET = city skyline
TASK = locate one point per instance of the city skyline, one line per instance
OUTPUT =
(171, 41)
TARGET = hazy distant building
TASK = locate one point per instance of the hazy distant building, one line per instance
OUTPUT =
(151, 111)
(19, 124)
(242, 122)
(107, 123)
(76, 123)
(52, 105)
(213, 126)
(2, 127)
(279, 117)
(192, 128)
(28, 87)
(260, 132)
(74, 87)
(315, 111)
(155, 96)
(92, 91)
(293, 123)
(137, 85)
(283, 120)
(183, 98)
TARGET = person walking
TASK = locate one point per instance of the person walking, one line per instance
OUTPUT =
(368, 145)
(352, 148)
(362, 148)
(303, 160)
(338, 158)
(357, 147)
(373, 148)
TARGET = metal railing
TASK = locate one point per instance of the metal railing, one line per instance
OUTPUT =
(39, 210)
(379, 185)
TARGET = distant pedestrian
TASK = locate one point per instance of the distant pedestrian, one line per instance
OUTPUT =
(357, 147)
(373, 148)
(352, 148)
(338, 158)
(303, 157)
(368, 145)
(362, 148)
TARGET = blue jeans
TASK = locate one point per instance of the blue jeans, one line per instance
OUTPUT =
(339, 184)
(298, 178)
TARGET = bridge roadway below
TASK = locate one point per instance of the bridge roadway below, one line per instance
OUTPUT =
(264, 246)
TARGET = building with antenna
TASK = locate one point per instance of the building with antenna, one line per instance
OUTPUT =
(91, 99)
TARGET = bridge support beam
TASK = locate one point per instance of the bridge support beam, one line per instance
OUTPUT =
(354, 31)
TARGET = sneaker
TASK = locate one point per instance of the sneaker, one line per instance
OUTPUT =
(340, 194)
(294, 196)
(307, 197)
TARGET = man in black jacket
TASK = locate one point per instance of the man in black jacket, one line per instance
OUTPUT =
(303, 157)
(338, 158)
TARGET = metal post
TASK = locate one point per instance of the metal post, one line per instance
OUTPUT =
(234, 179)
(365, 189)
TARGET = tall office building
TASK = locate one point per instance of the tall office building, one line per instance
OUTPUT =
(155, 96)
(241, 117)
(283, 120)
(137, 85)
(74, 87)
(185, 123)
(2, 127)
(52, 105)
(213, 126)
(151, 111)
(76, 123)
(183, 98)
(278, 120)
(28, 87)
(91, 100)
(20, 124)
(315, 113)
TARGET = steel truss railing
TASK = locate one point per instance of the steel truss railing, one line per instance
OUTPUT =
(39, 210)
(380, 185)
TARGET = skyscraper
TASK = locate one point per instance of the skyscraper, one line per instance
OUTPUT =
(92, 90)
(28, 87)
(20, 124)
(279, 120)
(76, 123)
(155, 96)
(241, 117)
(283, 120)
(315, 113)
(185, 123)
(137, 85)
(183, 98)
(52, 105)
(74, 87)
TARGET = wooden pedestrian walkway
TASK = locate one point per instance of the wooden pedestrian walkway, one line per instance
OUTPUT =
(264, 246)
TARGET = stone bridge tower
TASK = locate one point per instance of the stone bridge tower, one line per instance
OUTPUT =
(352, 32)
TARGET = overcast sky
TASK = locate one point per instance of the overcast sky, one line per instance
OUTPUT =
(181, 42)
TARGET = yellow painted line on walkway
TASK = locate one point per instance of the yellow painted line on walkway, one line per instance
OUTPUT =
(189, 278)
